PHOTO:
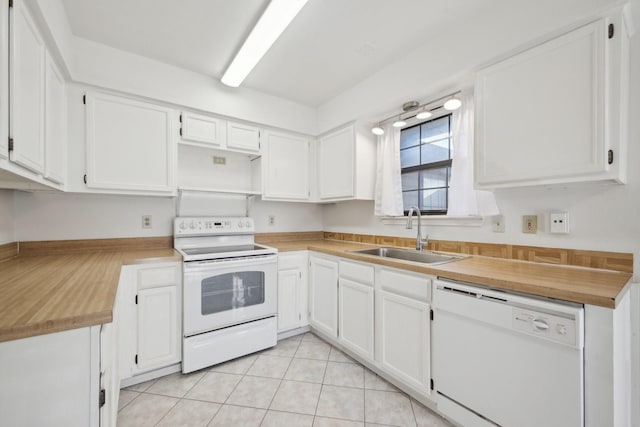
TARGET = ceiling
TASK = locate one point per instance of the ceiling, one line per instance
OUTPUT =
(329, 47)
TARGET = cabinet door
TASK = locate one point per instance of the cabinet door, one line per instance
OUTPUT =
(405, 337)
(243, 138)
(158, 328)
(289, 312)
(540, 114)
(356, 317)
(203, 130)
(323, 295)
(4, 83)
(336, 165)
(285, 166)
(55, 124)
(27, 90)
(130, 144)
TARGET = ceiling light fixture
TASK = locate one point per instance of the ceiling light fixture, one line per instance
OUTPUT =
(271, 24)
(452, 104)
(377, 130)
(424, 114)
(424, 111)
(399, 123)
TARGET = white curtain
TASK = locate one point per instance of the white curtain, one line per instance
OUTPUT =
(388, 190)
(463, 199)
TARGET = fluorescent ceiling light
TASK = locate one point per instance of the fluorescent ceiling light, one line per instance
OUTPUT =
(271, 24)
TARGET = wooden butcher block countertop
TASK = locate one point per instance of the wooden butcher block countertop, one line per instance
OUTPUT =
(577, 284)
(41, 294)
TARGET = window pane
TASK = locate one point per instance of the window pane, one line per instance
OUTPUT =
(434, 199)
(436, 151)
(434, 178)
(435, 129)
(410, 157)
(411, 180)
(409, 198)
(410, 137)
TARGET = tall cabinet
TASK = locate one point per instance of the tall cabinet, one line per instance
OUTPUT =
(27, 76)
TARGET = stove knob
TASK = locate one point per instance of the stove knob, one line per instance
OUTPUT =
(193, 225)
(183, 225)
(240, 224)
(247, 224)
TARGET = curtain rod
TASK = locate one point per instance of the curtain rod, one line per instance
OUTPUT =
(420, 106)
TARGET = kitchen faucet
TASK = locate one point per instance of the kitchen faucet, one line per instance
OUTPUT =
(419, 242)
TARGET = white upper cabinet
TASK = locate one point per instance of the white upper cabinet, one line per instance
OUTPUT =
(202, 130)
(130, 144)
(346, 165)
(243, 138)
(555, 113)
(55, 124)
(4, 83)
(27, 90)
(285, 167)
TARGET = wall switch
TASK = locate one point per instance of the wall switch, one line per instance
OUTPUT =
(497, 224)
(272, 220)
(559, 223)
(530, 224)
(219, 160)
(146, 221)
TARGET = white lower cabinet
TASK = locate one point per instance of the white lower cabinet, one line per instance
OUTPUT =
(292, 290)
(403, 326)
(356, 308)
(323, 294)
(54, 380)
(151, 326)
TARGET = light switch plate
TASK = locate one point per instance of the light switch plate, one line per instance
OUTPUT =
(530, 224)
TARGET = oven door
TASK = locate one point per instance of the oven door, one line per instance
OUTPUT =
(227, 292)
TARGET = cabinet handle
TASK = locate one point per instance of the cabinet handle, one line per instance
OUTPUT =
(610, 156)
(611, 31)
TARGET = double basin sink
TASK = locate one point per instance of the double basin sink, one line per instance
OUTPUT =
(423, 257)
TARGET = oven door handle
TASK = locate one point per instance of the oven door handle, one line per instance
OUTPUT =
(193, 266)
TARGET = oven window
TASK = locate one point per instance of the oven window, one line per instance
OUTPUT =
(232, 290)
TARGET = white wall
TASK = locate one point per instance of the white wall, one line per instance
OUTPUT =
(445, 64)
(57, 216)
(103, 66)
(7, 228)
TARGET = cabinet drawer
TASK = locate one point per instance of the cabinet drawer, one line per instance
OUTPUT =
(361, 273)
(159, 276)
(416, 286)
(288, 261)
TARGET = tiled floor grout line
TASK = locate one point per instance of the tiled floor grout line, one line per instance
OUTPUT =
(291, 350)
(279, 385)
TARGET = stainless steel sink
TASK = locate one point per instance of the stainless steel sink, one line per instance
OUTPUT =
(424, 257)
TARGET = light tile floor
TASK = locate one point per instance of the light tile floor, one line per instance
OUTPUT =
(301, 382)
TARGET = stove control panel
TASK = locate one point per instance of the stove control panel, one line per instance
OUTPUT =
(204, 226)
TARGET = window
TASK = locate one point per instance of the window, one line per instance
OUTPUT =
(425, 159)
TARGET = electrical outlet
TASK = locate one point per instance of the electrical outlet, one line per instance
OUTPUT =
(146, 221)
(272, 220)
(530, 224)
(559, 223)
(497, 224)
(219, 160)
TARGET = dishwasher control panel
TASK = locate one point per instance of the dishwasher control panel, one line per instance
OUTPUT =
(549, 326)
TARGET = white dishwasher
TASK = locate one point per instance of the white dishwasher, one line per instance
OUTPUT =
(506, 359)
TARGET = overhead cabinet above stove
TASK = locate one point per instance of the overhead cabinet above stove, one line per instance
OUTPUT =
(557, 112)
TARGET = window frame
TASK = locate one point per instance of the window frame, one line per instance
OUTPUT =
(432, 165)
